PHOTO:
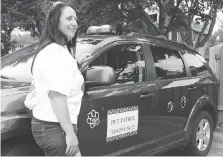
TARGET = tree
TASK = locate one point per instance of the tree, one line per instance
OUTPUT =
(198, 8)
(118, 13)
(126, 15)
(131, 14)
(28, 15)
(8, 24)
(182, 14)
(217, 37)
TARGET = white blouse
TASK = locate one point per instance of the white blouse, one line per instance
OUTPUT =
(55, 69)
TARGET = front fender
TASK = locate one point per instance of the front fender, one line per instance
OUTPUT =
(203, 103)
(15, 124)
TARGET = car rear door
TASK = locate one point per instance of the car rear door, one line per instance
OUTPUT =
(113, 119)
(171, 82)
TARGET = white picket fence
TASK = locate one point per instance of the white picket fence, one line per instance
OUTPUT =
(216, 64)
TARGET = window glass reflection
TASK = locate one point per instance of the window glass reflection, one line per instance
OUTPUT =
(196, 64)
(168, 63)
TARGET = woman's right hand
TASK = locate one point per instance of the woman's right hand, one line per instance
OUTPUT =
(85, 58)
(72, 144)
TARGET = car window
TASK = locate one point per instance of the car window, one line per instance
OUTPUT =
(127, 61)
(168, 63)
(196, 64)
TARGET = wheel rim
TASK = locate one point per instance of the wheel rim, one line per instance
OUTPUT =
(203, 134)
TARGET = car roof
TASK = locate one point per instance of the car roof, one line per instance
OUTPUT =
(138, 37)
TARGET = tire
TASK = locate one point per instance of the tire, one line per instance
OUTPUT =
(202, 135)
(20, 146)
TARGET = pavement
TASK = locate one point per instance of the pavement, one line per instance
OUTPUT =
(217, 144)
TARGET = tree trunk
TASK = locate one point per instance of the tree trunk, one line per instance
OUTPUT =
(162, 19)
(204, 28)
(6, 41)
(202, 32)
(189, 30)
(173, 16)
(146, 17)
(182, 33)
(6, 49)
(207, 37)
(39, 26)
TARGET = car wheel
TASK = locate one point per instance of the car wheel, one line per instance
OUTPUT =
(202, 135)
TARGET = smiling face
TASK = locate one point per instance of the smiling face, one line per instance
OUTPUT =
(68, 22)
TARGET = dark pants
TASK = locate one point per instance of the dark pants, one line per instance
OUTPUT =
(50, 137)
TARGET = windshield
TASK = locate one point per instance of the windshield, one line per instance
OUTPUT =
(17, 65)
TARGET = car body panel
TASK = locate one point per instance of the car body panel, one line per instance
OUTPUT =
(203, 103)
(15, 124)
(15, 117)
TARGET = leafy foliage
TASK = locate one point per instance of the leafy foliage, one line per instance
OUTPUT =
(116, 12)
(25, 14)
(131, 16)
(202, 12)
(126, 15)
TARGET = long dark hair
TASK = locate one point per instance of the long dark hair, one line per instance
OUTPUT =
(51, 32)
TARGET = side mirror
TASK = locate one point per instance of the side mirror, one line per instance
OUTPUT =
(99, 76)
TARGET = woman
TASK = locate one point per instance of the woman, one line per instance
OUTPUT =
(58, 84)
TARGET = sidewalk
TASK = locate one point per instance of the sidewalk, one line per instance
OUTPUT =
(217, 144)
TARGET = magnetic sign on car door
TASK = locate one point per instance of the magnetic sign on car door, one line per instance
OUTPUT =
(121, 123)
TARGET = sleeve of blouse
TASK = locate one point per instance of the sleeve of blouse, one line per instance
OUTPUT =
(57, 74)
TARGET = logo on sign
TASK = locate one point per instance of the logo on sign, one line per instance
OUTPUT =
(93, 119)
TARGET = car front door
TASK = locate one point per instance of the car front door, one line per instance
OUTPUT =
(113, 118)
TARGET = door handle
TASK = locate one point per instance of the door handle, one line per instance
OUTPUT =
(143, 96)
(192, 88)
